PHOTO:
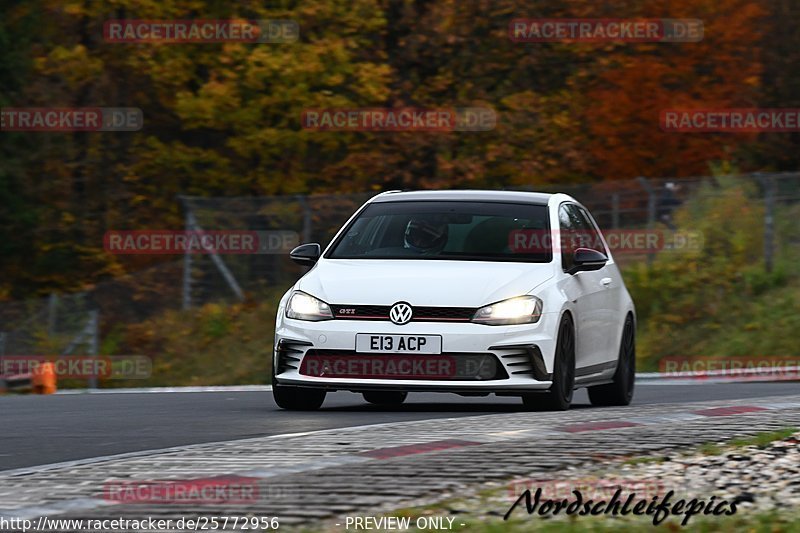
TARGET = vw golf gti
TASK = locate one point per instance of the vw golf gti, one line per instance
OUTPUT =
(468, 292)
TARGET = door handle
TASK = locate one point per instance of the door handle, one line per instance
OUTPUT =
(605, 282)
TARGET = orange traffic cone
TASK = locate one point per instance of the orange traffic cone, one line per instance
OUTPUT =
(44, 379)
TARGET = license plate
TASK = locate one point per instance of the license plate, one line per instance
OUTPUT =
(376, 343)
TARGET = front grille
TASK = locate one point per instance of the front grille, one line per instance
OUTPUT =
(361, 312)
(420, 314)
(444, 367)
(463, 314)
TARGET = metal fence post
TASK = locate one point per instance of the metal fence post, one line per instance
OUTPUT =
(651, 201)
(52, 306)
(768, 182)
(187, 263)
(3, 385)
(306, 218)
(94, 343)
(218, 262)
(651, 209)
(615, 210)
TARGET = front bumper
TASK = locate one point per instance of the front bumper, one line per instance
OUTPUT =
(524, 353)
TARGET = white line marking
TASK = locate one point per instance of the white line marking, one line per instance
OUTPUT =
(642, 378)
(319, 464)
(188, 447)
(165, 390)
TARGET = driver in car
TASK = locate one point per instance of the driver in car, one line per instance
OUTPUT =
(426, 235)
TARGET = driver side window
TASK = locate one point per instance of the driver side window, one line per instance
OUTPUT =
(566, 223)
(577, 231)
(589, 236)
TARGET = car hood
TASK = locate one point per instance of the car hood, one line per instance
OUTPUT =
(425, 282)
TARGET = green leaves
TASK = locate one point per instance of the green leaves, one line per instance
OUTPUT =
(224, 119)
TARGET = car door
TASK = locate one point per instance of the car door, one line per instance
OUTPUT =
(611, 281)
(588, 290)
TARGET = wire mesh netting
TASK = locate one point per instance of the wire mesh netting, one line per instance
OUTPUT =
(51, 324)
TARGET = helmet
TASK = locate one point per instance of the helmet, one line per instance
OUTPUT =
(426, 234)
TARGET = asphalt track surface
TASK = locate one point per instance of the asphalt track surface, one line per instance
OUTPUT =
(38, 430)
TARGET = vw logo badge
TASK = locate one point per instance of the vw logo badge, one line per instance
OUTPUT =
(400, 313)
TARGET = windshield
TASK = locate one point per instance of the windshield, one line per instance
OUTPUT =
(469, 231)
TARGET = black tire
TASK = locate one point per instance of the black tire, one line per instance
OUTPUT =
(620, 392)
(297, 398)
(385, 397)
(559, 396)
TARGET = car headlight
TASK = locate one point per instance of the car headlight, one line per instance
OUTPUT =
(303, 306)
(520, 310)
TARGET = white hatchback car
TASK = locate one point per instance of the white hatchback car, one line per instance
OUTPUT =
(469, 292)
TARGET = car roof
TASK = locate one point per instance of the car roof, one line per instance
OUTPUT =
(466, 195)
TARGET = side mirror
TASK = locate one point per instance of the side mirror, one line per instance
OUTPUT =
(587, 259)
(306, 254)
